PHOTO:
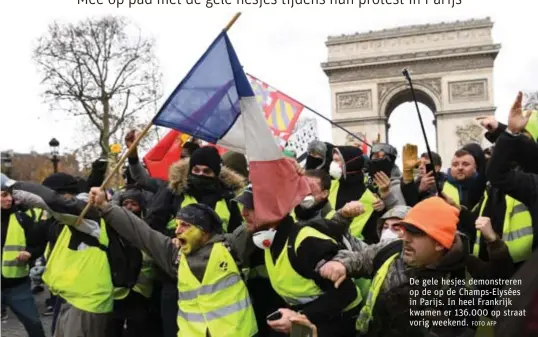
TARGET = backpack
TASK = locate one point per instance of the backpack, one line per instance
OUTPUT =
(125, 260)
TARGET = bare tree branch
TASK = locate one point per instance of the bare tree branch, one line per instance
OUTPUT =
(98, 71)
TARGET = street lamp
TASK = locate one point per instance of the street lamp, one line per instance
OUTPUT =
(54, 145)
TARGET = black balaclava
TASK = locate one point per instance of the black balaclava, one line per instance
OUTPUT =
(321, 148)
(202, 186)
(352, 181)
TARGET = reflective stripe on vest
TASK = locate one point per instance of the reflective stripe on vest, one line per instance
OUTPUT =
(82, 277)
(290, 285)
(15, 243)
(221, 208)
(452, 192)
(365, 315)
(367, 199)
(518, 232)
(220, 304)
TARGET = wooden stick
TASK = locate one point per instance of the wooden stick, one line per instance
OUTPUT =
(136, 142)
(232, 21)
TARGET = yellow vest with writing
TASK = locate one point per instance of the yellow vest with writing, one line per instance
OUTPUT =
(518, 232)
(367, 199)
(221, 208)
(290, 285)
(15, 243)
(81, 277)
(220, 304)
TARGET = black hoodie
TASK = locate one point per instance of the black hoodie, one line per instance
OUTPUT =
(352, 187)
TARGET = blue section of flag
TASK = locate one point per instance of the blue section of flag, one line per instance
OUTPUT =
(206, 103)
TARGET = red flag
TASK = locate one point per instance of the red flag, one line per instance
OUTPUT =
(164, 154)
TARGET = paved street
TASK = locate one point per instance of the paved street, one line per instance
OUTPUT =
(12, 328)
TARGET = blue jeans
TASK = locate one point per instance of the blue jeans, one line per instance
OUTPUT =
(21, 301)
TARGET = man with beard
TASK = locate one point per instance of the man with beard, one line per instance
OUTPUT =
(291, 255)
(212, 297)
(430, 249)
(348, 185)
(131, 306)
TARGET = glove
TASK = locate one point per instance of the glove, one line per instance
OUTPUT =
(410, 161)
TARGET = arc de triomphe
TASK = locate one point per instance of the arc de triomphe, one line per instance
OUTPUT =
(451, 65)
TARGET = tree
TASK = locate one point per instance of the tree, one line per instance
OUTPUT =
(103, 70)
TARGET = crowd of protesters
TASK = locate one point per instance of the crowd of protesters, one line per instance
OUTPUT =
(186, 257)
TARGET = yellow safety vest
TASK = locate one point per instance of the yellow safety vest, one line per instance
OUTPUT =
(366, 313)
(367, 199)
(290, 285)
(81, 277)
(452, 192)
(15, 243)
(219, 304)
(221, 208)
(518, 232)
(144, 282)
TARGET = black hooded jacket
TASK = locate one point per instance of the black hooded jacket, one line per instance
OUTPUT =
(352, 187)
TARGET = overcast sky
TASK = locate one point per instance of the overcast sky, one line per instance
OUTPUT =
(281, 45)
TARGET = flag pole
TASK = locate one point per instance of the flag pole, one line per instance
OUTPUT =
(325, 118)
(137, 141)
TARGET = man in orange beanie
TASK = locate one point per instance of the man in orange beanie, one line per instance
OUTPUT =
(412, 276)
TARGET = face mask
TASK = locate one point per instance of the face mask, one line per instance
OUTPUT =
(192, 239)
(388, 234)
(203, 183)
(308, 202)
(335, 170)
(264, 239)
(313, 163)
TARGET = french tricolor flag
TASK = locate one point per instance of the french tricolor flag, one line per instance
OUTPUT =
(216, 103)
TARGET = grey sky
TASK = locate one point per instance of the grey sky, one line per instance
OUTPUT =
(279, 45)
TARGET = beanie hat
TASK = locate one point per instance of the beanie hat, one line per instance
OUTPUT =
(62, 183)
(397, 212)
(132, 194)
(201, 216)
(237, 162)
(207, 156)
(436, 218)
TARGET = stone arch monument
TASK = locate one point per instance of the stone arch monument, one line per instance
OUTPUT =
(451, 65)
